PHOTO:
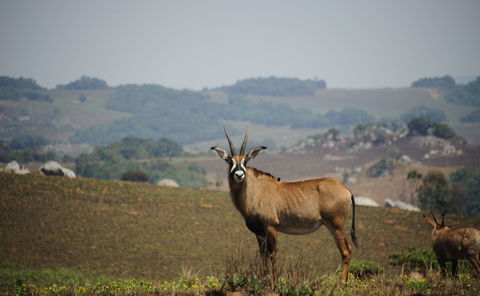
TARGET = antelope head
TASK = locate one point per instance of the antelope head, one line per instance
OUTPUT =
(436, 226)
(238, 163)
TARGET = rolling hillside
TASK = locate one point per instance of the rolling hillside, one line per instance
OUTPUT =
(195, 118)
(145, 231)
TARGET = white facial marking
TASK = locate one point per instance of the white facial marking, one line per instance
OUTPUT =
(242, 164)
(234, 164)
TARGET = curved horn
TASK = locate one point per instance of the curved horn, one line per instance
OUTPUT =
(434, 219)
(230, 143)
(244, 144)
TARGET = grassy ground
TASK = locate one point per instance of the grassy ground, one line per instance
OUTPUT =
(129, 230)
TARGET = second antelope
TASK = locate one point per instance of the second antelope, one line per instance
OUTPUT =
(270, 206)
(452, 244)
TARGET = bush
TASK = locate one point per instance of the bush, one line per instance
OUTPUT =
(437, 194)
(467, 181)
(363, 268)
(83, 83)
(381, 168)
(135, 176)
(435, 114)
(414, 258)
(436, 82)
(443, 131)
(277, 86)
(425, 126)
(468, 94)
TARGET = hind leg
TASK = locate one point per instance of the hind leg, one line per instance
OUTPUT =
(475, 263)
(345, 249)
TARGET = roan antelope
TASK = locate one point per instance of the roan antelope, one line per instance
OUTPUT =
(270, 206)
(452, 244)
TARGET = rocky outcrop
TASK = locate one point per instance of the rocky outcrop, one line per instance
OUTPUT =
(14, 167)
(437, 147)
(400, 205)
(53, 168)
(365, 201)
(168, 183)
(365, 136)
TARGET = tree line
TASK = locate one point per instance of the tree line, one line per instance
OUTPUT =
(17, 88)
(186, 116)
(276, 86)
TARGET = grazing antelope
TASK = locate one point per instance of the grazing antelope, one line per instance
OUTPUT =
(270, 206)
(452, 244)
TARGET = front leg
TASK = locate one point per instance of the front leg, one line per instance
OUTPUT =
(267, 243)
(454, 267)
(443, 265)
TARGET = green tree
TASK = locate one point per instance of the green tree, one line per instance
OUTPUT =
(21, 142)
(437, 194)
(135, 176)
(425, 126)
(468, 94)
(442, 130)
(468, 182)
(419, 126)
(435, 82)
(83, 83)
(423, 111)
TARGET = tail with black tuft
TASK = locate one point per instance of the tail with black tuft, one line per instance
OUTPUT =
(353, 234)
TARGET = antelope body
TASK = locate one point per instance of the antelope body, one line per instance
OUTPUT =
(453, 244)
(270, 206)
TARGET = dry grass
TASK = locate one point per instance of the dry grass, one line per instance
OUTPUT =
(144, 231)
(245, 275)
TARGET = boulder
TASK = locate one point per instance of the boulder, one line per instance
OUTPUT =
(68, 173)
(168, 183)
(53, 168)
(406, 206)
(14, 167)
(400, 205)
(365, 201)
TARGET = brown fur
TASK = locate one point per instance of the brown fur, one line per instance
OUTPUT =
(452, 244)
(270, 206)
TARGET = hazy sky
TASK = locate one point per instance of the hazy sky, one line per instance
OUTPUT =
(195, 44)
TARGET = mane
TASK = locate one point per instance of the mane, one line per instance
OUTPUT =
(262, 173)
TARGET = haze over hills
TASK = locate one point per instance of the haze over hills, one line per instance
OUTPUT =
(282, 111)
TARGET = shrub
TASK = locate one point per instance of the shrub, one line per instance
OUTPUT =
(363, 268)
(414, 258)
(437, 82)
(437, 194)
(135, 176)
(435, 114)
(85, 82)
(380, 168)
(441, 130)
(425, 126)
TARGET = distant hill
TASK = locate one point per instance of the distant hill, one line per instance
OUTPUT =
(88, 111)
(276, 86)
(145, 231)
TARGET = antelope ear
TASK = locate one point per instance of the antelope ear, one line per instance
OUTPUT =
(222, 153)
(430, 221)
(253, 152)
